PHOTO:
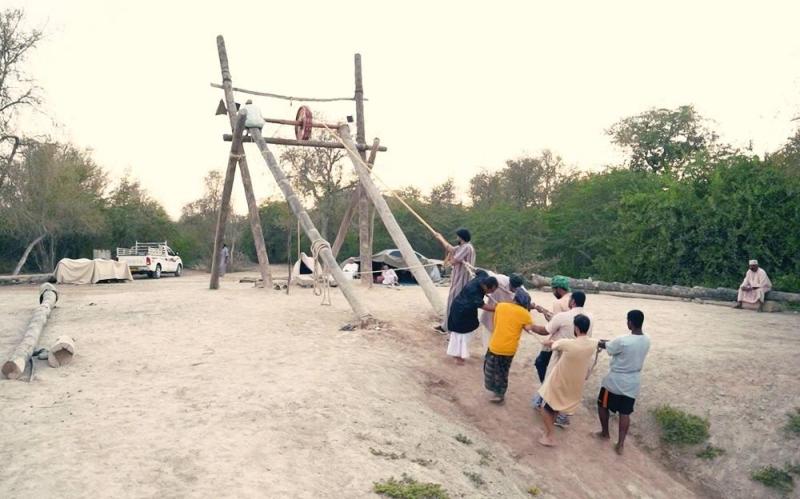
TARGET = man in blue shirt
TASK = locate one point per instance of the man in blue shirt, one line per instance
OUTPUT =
(621, 385)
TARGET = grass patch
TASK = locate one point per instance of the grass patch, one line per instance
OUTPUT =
(387, 455)
(774, 478)
(427, 463)
(475, 478)
(793, 425)
(679, 427)
(534, 491)
(710, 452)
(408, 488)
(463, 439)
(486, 457)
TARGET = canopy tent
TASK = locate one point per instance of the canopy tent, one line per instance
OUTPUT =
(394, 258)
(85, 271)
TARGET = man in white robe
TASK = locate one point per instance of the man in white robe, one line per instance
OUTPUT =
(756, 284)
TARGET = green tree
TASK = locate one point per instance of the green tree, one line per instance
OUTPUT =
(664, 140)
(134, 216)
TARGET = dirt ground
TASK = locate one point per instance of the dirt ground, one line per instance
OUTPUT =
(178, 391)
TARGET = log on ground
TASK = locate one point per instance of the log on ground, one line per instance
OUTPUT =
(15, 365)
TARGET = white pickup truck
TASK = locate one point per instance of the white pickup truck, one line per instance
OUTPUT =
(152, 259)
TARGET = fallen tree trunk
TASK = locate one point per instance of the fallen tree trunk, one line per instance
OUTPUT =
(15, 365)
(25, 279)
(719, 294)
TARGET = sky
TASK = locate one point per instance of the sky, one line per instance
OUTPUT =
(453, 87)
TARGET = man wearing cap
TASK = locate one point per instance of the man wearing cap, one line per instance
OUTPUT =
(560, 286)
(461, 256)
(756, 284)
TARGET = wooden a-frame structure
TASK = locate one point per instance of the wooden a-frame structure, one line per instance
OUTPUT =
(365, 198)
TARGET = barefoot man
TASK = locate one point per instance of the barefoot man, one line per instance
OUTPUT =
(563, 387)
(621, 386)
(756, 284)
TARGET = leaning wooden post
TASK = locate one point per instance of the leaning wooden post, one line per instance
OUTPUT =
(311, 231)
(225, 202)
(15, 365)
(365, 248)
(353, 204)
(399, 238)
(252, 207)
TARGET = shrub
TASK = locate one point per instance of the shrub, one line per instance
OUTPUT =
(710, 452)
(774, 478)
(679, 427)
(408, 488)
(793, 425)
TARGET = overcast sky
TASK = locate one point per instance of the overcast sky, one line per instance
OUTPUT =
(452, 88)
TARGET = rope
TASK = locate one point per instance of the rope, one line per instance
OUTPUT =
(321, 283)
(286, 97)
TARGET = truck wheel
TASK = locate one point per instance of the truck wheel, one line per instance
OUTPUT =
(179, 270)
(157, 273)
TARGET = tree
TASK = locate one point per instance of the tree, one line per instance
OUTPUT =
(443, 194)
(134, 216)
(55, 192)
(663, 140)
(17, 89)
(318, 175)
(486, 189)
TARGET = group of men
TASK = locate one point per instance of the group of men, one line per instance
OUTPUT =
(503, 306)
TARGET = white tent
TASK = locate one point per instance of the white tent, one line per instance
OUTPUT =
(85, 271)
(304, 269)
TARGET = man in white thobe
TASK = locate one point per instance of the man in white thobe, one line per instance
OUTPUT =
(756, 284)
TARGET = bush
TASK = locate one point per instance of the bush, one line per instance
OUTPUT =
(793, 425)
(710, 452)
(408, 488)
(679, 427)
(774, 478)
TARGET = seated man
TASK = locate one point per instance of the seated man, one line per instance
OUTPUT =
(350, 268)
(388, 276)
(756, 284)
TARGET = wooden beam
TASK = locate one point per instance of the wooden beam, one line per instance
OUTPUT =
(302, 143)
(353, 204)
(399, 238)
(252, 207)
(364, 246)
(311, 231)
(225, 202)
(15, 365)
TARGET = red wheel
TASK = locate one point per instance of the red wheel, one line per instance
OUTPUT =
(302, 130)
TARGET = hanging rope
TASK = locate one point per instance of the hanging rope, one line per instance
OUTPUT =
(321, 282)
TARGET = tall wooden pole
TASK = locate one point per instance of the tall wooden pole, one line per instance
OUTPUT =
(399, 238)
(311, 231)
(225, 202)
(353, 204)
(364, 242)
(252, 207)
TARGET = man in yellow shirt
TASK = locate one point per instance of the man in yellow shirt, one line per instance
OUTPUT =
(510, 318)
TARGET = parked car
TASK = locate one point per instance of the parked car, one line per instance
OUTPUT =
(394, 259)
(152, 259)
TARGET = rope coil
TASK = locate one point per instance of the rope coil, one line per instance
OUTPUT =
(321, 282)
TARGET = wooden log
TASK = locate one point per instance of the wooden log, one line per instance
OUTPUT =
(252, 207)
(287, 97)
(364, 242)
(303, 143)
(399, 238)
(311, 231)
(225, 202)
(25, 278)
(15, 365)
(61, 352)
(353, 204)
(694, 292)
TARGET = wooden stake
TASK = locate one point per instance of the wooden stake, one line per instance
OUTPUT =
(399, 238)
(353, 204)
(311, 231)
(15, 365)
(252, 207)
(225, 202)
(364, 242)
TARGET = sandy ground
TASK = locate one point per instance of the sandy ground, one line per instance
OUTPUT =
(178, 391)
